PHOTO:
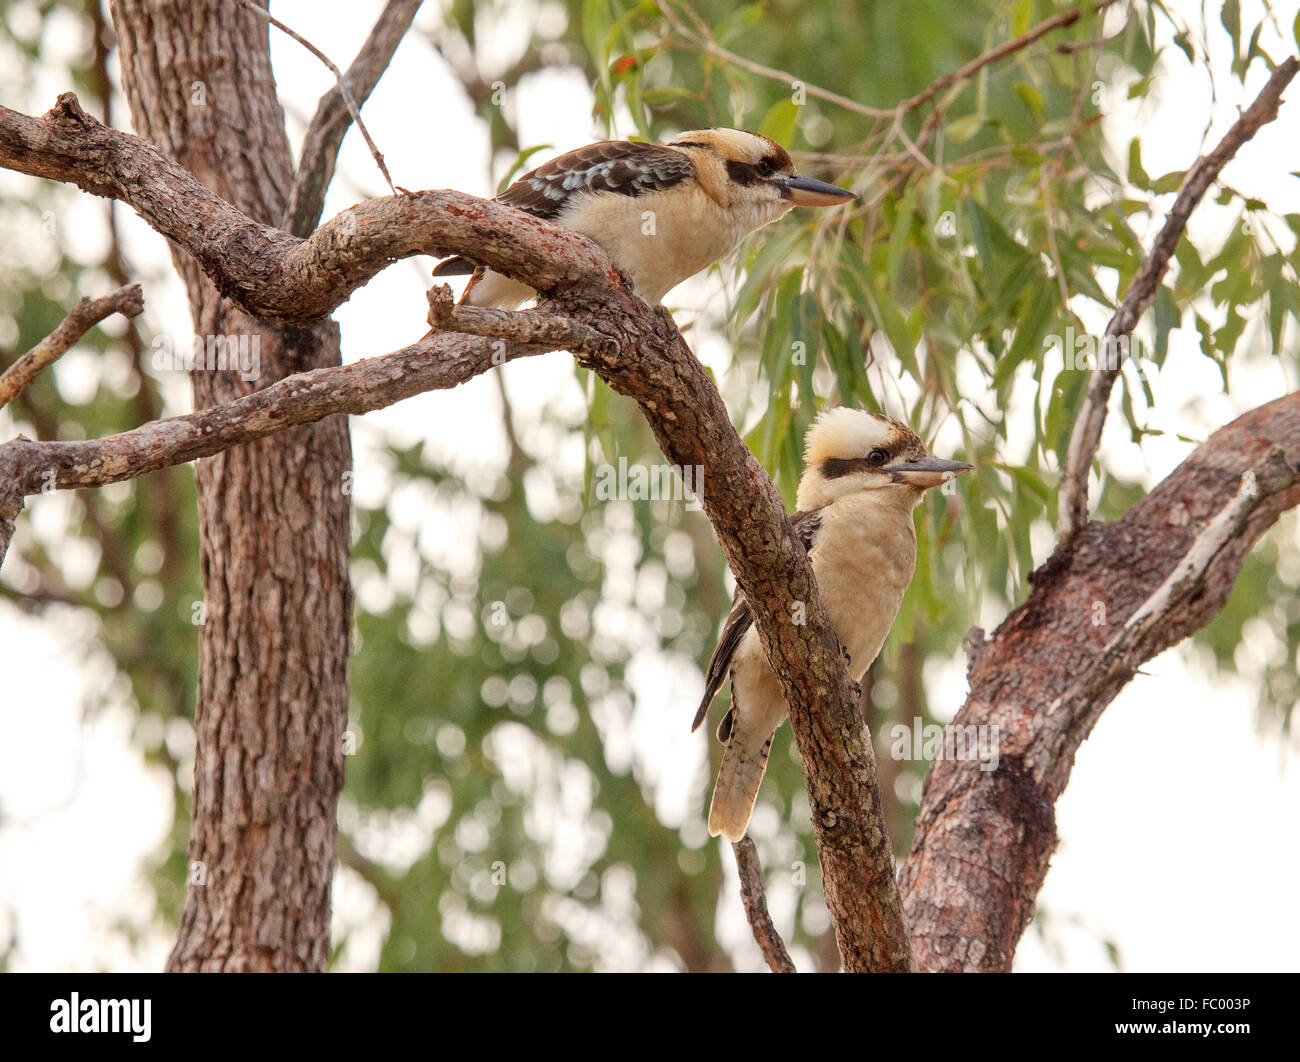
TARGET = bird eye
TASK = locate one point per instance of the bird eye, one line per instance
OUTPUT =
(763, 168)
(877, 457)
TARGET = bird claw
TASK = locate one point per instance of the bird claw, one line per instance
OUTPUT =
(848, 662)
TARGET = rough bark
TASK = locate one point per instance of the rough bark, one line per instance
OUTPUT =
(1122, 593)
(272, 700)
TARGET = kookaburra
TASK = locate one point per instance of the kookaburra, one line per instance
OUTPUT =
(662, 212)
(863, 476)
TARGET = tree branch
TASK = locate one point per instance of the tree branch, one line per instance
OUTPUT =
(527, 327)
(128, 301)
(1072, 501)
(693, 430)
(435, 362)
(1122, 593)
(344, 89)
(969, 70)
(330, 123)
(271, 274)
(700, 38)
(755, 901)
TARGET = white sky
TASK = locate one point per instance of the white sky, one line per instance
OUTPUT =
(1178, 810)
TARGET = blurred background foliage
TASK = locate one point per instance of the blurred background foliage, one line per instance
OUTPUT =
(494, 716)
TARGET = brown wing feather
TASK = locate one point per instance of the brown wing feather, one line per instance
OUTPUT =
(740, 619)
(626, 167)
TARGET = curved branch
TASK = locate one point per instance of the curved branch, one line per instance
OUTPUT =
(969, 70)
(435, 362)
(693, 430)
(128, 301)
(754, 898)
(1122, 593)
(700, 38)
(270, 273)
(1072, 501)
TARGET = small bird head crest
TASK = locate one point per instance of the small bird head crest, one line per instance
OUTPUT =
(760, 167)
(848, 451)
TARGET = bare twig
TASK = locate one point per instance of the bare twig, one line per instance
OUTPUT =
(435, 362)
(320, 144)
(969, 70)
(127, 301)
(701, 38)
(353, 109)
(526, 327)
(755, 901)
(1072, 502)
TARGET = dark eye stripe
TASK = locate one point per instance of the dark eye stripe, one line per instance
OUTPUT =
(742, 172)
(835, 467)
(748, 173)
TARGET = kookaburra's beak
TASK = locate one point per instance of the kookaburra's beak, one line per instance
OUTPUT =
(805, 191)
(927, 472)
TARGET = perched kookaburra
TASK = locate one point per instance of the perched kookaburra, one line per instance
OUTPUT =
(662, 212)
(863, 476)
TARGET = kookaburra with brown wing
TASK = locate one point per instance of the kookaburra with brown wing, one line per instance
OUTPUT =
(662, 212)
(864, 474)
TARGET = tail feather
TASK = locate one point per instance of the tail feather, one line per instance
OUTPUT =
(739, 777)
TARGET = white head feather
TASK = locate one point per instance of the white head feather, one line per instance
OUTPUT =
(846, 434)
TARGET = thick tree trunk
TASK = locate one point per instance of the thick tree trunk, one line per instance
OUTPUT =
(272, 701)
